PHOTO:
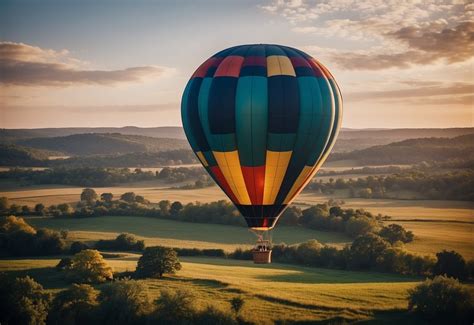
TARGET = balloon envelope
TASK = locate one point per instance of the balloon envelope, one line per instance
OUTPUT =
(261, 119)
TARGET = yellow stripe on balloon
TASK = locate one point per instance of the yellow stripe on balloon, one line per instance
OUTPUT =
(202, 158)
(275, 169)
(279, 65)
(229, 164)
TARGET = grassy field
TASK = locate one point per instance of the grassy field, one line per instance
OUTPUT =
(272, 292)
(180, 234)
(437, 224)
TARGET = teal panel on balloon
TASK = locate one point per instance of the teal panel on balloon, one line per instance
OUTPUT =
(251, 120)
(281, 141)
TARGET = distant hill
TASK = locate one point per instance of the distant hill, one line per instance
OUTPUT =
(172, 132)
(104, 144)
(412, 151)
(12, 155)
(348, 140)
(356, 139)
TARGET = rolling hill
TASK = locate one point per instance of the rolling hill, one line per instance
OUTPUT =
(104, 144)
(412, 151)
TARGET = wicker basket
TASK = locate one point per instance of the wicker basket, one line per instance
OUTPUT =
(262, 257)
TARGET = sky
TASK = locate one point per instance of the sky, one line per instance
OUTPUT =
(399, 64)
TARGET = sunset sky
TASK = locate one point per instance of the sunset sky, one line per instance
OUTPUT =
(118, 63)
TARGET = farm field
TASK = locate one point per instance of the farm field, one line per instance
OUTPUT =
(271, 292)
(180, 234)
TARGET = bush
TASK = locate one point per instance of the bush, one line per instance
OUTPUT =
(157, 261)
(123, 242)
(89, 266)
(442, 299)
(75, 305)
(23, 301)
(174, 307)
(124, 302)
(212, 315)
(451, 264)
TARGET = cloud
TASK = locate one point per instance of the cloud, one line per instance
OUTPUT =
(436, 92)
(389, 34)
(26, 65)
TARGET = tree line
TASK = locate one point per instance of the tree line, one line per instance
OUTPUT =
(93, 176)
(455, 185)
(327, 216)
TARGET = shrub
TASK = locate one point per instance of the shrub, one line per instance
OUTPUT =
(174, 307)
(212, 315)
(157, 261)
(75, 305)
(441, 299)
(123, 242)
(89, 266)
(23, 301)
(236, 304)
(123, 302)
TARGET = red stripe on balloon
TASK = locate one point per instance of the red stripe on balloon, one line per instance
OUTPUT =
(255, 60)
(298, 61)
(254, 178)
(320, 70)
(215, 170)
(202, 70)
(230, 66)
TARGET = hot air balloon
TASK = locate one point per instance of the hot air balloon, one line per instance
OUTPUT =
(261, 119)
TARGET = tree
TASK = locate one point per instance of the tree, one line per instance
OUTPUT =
(128, 197)
(140, 199)
(64, 264)
(88, 195)
(308, 252)
(176, 208)
(107, 197)
(13, 224)
(129, 242)
(365, 193)
(290, 216)
(25, 210)
(4, 204)
(39, 209)
(360, 225)
(64, 208)
(89, 266)
(442, 299)
(123, 302)
(49, 242)
(451, 264)
(393, 233)
(75, 305)
(23, 301)
(366, 249)
(78, 246)
(157, 261)
(165, 206)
